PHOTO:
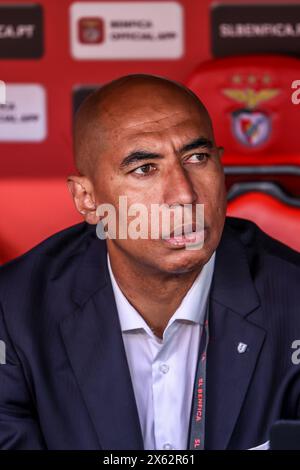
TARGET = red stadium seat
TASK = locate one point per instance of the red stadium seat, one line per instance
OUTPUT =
(249, 99)
(270, 208)
(286, 177)
(32, 210)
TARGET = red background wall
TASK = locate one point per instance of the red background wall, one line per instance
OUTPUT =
(59, 73)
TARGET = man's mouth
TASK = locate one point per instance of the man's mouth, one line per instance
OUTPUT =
(185, 235)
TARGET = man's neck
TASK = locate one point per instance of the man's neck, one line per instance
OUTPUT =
(155, 295)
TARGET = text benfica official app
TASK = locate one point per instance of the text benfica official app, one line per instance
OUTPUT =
(21, 31)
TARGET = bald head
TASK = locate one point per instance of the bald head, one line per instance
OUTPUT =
(108, 109)
(141, 141)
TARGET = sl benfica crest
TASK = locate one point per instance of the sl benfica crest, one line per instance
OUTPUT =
(91, 30)
(251, 126)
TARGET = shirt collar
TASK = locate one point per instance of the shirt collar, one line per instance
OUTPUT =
(192, 307)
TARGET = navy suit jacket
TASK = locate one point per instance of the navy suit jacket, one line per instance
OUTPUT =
(66, 382)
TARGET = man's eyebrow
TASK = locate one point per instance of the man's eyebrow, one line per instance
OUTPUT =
(138, 155)
(196, 143)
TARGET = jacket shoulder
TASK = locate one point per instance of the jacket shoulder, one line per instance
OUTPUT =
(261, 247)
(47, 254)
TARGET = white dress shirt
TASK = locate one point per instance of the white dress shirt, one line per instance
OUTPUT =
(163, 370)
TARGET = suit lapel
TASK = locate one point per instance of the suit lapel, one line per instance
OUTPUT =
(93, 340)
(229, 372)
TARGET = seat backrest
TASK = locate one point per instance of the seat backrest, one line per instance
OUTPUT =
(249, 99)
(31, 210)
(266, 205)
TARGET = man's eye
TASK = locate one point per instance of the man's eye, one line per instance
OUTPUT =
(197, 158)
(144, 169)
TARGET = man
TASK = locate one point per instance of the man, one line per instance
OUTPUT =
(105, 339)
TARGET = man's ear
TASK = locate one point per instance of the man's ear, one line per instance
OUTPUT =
(82, 191)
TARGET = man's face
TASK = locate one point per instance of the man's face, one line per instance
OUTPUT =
(162, 153)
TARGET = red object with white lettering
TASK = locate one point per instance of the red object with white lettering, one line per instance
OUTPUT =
(253, 104)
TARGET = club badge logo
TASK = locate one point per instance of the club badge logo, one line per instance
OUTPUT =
(242, 348)
(251, 126)
(91, 30)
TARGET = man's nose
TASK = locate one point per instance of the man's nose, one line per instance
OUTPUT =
(178, 187)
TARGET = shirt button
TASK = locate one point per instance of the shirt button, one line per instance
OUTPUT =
(164, 368)
(167, 446)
